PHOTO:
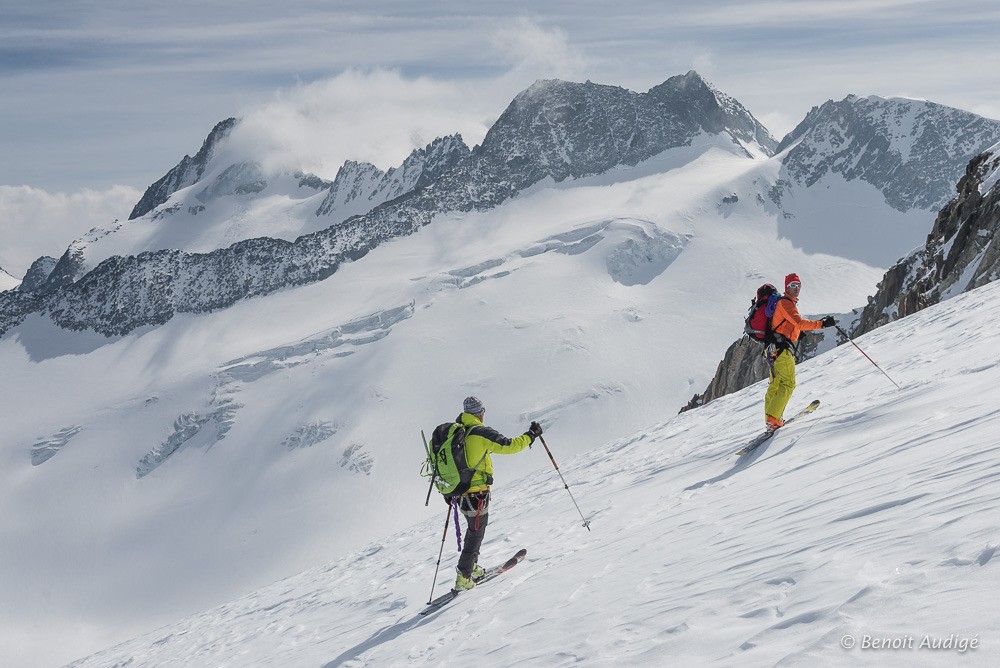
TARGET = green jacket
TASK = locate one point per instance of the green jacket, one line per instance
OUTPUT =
(480, 441)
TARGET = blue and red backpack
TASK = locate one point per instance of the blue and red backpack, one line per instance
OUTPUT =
(758, 322)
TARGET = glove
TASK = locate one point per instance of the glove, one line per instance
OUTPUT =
(828, 321)
(535, 430)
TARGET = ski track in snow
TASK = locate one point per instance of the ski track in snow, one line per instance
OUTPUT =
(875, 515)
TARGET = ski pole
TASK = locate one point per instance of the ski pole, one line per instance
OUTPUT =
(434, 474)
(447, 520)
(866, 357)
(586, 522)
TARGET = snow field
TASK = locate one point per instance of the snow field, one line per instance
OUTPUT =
(874, 517)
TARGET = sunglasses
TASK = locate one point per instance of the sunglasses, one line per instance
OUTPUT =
(794, 285)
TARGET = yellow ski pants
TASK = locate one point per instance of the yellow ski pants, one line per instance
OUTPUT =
(782, 384)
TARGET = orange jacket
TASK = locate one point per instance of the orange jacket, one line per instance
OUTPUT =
(787, 321)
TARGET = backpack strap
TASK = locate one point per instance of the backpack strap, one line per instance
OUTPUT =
(470, 431)
(780, 341)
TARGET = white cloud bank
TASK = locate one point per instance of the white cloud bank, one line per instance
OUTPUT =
(34, 222)
(379, 115)
(532, 51)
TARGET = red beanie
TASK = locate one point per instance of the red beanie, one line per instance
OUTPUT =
(792, 278)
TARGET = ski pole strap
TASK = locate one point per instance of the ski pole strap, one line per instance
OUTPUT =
(458, 531)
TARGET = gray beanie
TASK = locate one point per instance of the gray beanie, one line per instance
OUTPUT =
(473, 406)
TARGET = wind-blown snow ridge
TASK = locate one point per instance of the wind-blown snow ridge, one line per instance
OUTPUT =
(357, 332)
(874, 517)
(7, 282)
(638, 253)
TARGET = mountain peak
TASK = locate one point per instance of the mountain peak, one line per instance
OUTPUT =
(691, 78)
(694, 96)
(187, 172)
(912, 150)
(568, 129)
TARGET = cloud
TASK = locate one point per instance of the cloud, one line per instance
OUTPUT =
(531, 51)
(380, 115)
(377, 116)
(820, 13)
(36, 222)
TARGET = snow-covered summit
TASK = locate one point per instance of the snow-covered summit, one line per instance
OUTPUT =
(187, 172)
(721, 111)
(360, 187)
(563, 129)
(913, 151)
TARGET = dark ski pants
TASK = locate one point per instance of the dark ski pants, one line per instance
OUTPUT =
(475, 507)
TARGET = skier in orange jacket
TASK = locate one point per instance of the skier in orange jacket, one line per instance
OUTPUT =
(787, 324)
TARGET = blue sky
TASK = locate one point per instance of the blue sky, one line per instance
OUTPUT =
(106, 93)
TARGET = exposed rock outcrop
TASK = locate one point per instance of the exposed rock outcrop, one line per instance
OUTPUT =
(743, 365)
(38, 273)
(962, 251)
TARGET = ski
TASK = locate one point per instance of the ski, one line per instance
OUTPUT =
(763, 438)
(490, 574)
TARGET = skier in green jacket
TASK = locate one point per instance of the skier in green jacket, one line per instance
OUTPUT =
(480, 442)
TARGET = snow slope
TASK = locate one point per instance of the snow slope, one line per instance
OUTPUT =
(851, 219)
(200, 218)
(148, 477)
(874, 518)
(8, 282)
